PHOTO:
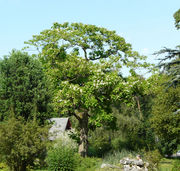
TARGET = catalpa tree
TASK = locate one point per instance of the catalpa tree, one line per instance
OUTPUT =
(84, 62)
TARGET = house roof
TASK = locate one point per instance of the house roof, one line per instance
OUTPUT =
(59, 125)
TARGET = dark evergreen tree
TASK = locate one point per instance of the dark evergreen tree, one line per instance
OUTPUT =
(171, 65)
(24, 89)
(171, 62)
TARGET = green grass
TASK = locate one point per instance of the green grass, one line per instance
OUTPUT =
(113, 158)
(166, 165)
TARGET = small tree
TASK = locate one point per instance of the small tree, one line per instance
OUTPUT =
(21, 142)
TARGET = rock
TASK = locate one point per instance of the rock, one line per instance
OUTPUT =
(127, 168)
(134, 164)
(139, 163)
(125, 161)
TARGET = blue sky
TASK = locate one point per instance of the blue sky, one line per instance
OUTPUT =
(147, 24)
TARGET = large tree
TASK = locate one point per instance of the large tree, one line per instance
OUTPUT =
(166, 108)
(23, 87)
(171, 60)
(165, 115)
(83, 61)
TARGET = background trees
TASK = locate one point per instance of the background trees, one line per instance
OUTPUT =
(165, 117)
(166, 106)
(24, 88)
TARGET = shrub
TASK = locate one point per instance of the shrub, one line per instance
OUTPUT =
(87, 163)
(98, 147)
(61, 158)
(21, 143)
(154, 158)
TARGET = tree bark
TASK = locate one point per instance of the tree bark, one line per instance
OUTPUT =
(23, 167)
(83, 124)
(139, 107)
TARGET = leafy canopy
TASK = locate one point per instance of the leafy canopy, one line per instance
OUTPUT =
(177, 19)
(88, 41)
(68, 52)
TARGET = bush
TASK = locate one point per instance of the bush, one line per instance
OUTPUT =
(87, 163)
(154, 158)
(21, 143)
(61, 157)
(98, 147)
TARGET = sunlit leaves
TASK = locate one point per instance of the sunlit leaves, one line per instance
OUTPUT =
(84, 62)
(177, 19)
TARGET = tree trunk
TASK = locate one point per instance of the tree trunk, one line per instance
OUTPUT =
(83, 124)
(139, 106)
(23, 167)
(20, 167)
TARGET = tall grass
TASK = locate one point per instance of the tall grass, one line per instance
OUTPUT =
(115, 156)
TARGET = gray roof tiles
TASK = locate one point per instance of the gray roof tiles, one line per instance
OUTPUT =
(58, 127)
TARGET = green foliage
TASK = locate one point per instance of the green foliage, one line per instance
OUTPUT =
(177, 19)
(88, 163)
(134, 130)
(171, 62)
(61, 158)
(170, 65)
(165, 164)
(3, 166)
(22, 142)
(165, 121)
(84, 88)
(176, 165)
(165, 112)
(24, 90)
(83, 85)
(99, 143)
(88, 41)
(153, 158)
